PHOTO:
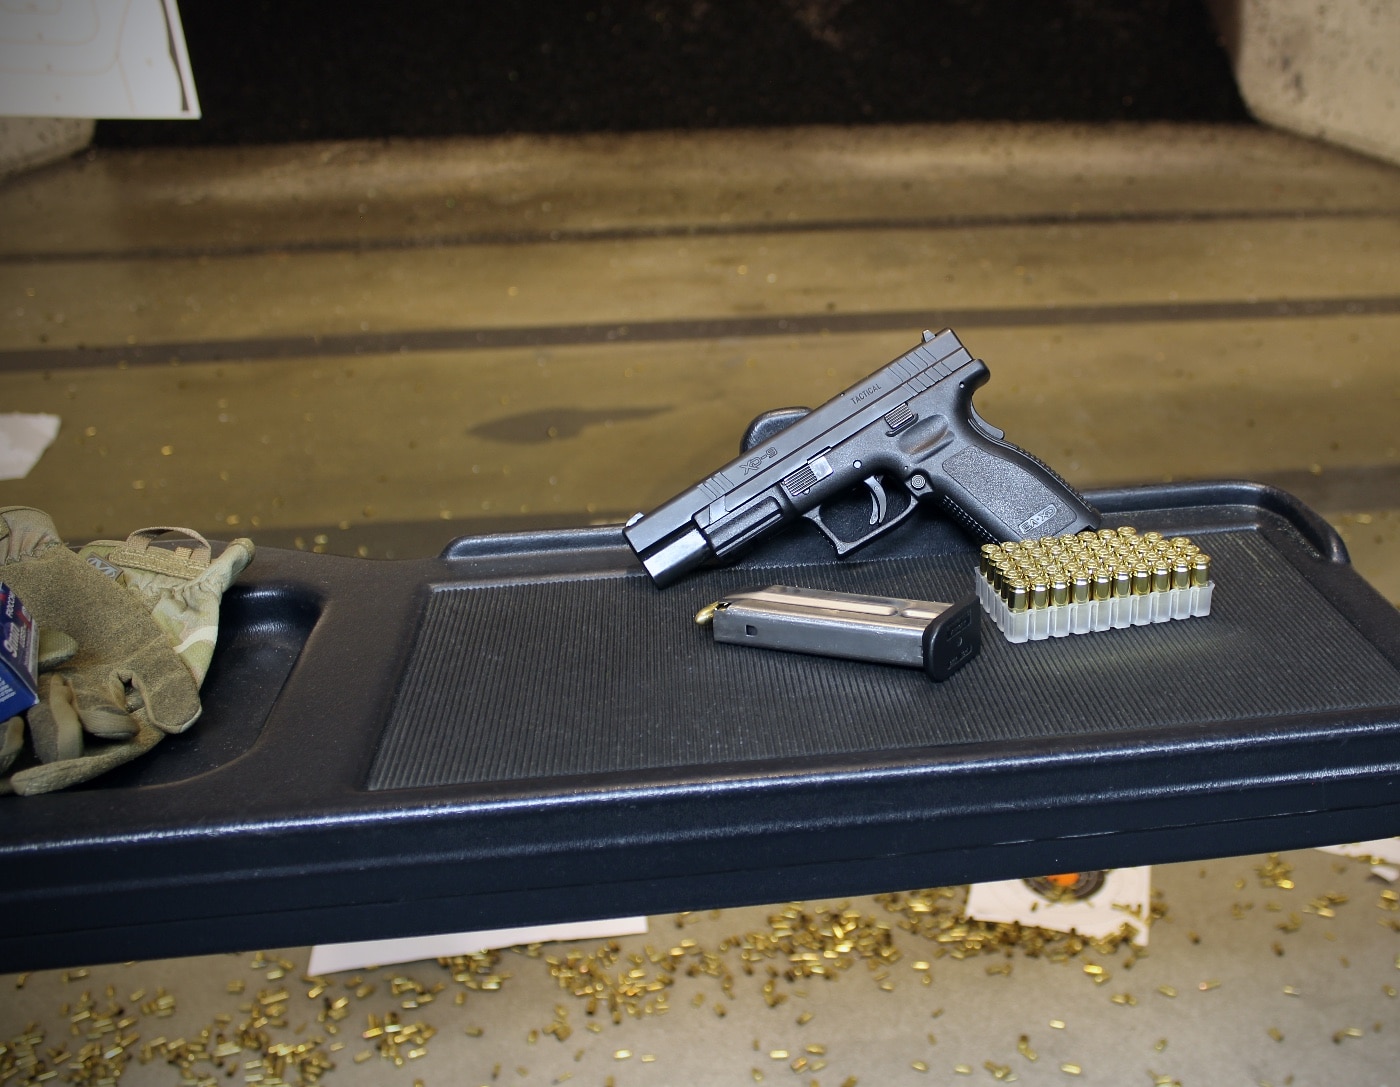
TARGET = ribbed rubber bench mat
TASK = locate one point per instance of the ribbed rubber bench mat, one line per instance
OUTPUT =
(555, 679)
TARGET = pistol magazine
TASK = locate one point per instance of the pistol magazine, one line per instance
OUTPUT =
(937, 637)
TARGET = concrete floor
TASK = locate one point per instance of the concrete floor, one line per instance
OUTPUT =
(1244, 983)
(367, 349)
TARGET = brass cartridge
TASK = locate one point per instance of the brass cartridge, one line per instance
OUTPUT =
(1038, 579)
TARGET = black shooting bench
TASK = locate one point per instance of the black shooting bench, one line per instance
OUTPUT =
(525, 730)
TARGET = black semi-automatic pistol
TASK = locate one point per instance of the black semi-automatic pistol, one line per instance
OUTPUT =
(911, 423)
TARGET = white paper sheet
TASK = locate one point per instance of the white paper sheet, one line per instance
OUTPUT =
(1382, 849)
(330, 958)
(23, 439)
(95, 58)
(1125, 896)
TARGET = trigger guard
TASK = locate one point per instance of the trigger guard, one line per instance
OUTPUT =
(842, 546)
(845, 547)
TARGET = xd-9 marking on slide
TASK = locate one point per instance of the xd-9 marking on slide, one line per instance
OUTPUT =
(911, 423)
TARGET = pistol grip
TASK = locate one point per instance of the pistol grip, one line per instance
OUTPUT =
(1001, 492)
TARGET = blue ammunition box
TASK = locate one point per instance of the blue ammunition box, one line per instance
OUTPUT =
(19, 651)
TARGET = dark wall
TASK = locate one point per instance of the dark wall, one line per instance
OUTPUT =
(277, 70)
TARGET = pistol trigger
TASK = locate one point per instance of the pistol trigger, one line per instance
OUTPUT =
(844, 546)
(880, 501)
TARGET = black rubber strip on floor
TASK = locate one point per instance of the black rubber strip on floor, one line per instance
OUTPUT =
(344, 345)
(645, 232)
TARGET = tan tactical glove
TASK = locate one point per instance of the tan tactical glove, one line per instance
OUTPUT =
(181, 588)
(122, 663)
(11, 741)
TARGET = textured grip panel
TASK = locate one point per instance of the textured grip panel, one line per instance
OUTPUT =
(1019, 501)
(1063, 483)
(560, 679)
